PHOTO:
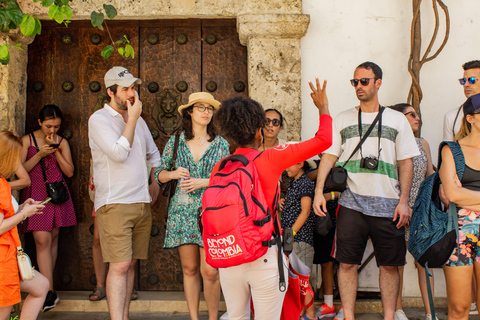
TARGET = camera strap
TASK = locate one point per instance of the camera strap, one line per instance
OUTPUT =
(379, 119)
(362, 140)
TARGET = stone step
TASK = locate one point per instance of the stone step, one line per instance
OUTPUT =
(174, 301)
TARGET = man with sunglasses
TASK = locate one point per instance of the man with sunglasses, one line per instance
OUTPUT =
(373, 205)
(471, 86)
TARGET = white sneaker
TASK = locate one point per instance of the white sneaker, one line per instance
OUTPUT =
(473, 308)
(224, 316)
(400, 315)
(428, 316)
(339, 315)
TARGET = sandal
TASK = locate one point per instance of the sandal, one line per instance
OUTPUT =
(134, 295)
(97, 294)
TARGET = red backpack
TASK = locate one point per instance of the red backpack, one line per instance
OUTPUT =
(237, 221)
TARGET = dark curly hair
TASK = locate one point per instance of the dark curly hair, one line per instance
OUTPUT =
(377, 71)
(187, 125)
(238, 120)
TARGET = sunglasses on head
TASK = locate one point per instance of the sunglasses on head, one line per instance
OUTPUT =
(275, 122)
(413, 113)
(364, 81)
(470, 80)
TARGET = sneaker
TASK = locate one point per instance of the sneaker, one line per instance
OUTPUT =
(50, 301)
(339, 315)
(325, 311)
(473, 308)
(224, 316)
(400, 315)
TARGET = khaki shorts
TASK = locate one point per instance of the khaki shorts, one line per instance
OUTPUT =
(124, 231)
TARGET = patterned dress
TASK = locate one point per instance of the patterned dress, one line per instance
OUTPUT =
(54, 215)
(419, 172)
(182, 222)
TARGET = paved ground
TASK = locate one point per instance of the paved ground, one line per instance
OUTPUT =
(412, 313)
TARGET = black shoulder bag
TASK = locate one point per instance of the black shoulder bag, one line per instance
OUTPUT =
(56, 190)
(337, 177)
(168, 188)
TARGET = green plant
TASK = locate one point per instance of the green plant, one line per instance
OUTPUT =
(12, 17)
(16, 318)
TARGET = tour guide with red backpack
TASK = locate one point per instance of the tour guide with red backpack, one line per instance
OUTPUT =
(239, 218)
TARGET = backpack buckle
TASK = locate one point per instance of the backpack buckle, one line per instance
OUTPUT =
(262, 222)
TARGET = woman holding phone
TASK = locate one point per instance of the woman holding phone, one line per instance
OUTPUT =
(44, 147)
(10, 284)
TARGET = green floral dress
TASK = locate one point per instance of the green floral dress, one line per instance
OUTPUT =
(182, 224)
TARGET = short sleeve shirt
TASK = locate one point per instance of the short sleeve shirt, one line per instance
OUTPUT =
(297, 189)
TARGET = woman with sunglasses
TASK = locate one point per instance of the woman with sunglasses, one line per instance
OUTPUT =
(465, 193)
(241, 121)
(199, 149)
(273, 126)
(422, 168)
(11, 214)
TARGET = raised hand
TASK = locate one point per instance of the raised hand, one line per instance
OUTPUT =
(319, 96)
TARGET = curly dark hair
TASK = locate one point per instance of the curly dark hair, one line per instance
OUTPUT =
(238, 120)
(377, 71)
(187, 125)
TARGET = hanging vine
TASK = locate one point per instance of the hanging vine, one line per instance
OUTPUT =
(415, 94)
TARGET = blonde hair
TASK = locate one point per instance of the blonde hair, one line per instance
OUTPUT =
(10, 148)
(464, 131)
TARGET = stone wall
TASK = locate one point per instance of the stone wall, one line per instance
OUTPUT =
(271, 30)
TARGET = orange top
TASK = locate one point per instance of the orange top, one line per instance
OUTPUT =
(6, 207)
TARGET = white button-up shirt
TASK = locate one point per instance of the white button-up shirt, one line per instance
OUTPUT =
(120, 171)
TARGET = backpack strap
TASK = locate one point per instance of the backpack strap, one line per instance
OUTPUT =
(457, 156)
(234, 158)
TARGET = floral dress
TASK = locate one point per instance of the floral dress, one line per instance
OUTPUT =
(182, 222)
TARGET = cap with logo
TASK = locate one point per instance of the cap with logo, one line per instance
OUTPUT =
(120, 76)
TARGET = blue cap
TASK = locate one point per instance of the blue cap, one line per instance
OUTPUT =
(472, 104)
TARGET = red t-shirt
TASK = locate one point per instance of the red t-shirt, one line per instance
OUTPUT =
(272, 162)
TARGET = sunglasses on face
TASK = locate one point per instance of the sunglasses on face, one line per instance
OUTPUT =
(364, 81)
(274, 122)
(413, 113)
(202, 108)
(470, 80)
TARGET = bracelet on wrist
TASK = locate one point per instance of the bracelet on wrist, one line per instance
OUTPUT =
(24, 216)
(294, 233)
(333, 195)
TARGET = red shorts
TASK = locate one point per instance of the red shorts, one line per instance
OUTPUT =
(9, 278)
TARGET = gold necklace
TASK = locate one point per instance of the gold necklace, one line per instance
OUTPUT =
(200, 143)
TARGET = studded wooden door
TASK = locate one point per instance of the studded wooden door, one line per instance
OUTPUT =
(174, 59)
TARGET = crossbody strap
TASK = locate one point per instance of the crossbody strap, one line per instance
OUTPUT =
(42, 164)
(367, 134)
(175, 149)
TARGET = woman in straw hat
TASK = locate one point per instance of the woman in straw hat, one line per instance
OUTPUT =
(199, 149)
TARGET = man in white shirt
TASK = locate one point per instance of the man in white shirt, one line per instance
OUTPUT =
(121, 145)
(373, 205)
(471, 86)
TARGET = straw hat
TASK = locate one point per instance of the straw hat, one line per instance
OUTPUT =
(200, 97)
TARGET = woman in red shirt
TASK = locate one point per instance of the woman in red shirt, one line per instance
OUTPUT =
(10, 285)
(241, 121)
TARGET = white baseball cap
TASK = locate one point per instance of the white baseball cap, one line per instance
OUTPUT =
(120, 76)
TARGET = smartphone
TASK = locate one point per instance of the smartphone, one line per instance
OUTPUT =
(45, 201)
(55, 145)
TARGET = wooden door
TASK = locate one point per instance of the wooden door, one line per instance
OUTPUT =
(174, 59)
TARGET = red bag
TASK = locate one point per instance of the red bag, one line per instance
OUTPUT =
(298, 276)
(237, 222)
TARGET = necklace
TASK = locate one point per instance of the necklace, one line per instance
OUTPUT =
(198, 143)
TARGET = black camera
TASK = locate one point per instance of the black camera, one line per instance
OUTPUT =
(370, 163)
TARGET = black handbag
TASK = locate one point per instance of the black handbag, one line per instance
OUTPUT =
(57, 190)
(168, 188)
(337, 177)
(323, 225)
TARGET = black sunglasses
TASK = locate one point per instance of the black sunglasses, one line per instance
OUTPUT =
(364, 81)
(470, 80)
(413, 113)
(275, 122)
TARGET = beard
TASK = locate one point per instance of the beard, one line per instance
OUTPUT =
(122, 105)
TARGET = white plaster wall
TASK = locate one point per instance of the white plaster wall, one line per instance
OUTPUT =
(343, 34)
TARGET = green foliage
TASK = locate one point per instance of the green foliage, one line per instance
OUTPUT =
(12, 17)
(16, 318)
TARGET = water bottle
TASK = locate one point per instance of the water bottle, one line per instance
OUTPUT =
(183, 198)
